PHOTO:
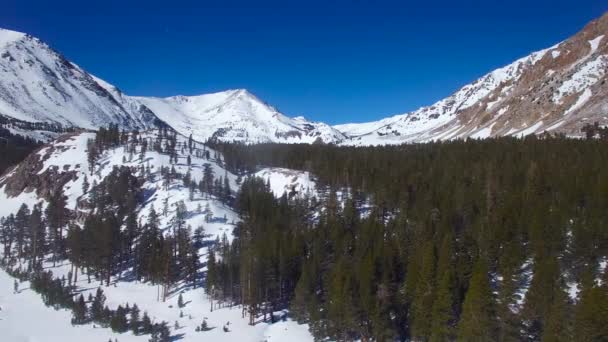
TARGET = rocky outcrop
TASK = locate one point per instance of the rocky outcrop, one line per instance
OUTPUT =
(27, 176)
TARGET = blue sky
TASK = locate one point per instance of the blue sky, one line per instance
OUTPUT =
(334, 61)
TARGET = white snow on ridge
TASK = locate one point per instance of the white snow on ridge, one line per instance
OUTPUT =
(556, 125)
(37, 84)
(595, 43)
(426, 124)
(530, 130)
(235, 115)
(582, 99)
(8, 36)
(587, 75)
(484, 132)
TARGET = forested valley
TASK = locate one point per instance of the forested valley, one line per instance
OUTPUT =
(501, 239)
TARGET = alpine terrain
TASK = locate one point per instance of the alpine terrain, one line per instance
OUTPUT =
(483, 217)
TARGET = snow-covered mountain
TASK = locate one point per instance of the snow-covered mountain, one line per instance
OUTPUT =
(38, 84)
(236, 115)
(556, 90)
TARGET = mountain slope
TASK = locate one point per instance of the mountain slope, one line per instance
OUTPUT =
(236, 115)
(37, 84)
(558, 89)
(63, 166)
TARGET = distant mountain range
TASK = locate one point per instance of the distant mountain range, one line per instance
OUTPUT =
(556, 90)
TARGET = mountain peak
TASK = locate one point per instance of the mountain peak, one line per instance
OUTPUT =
(9, 36)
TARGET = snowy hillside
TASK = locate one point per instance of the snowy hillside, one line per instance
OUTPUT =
(420, 124)
(20, 309)
(236, 115)
(555, 90)
(64, 164)
(37, 84)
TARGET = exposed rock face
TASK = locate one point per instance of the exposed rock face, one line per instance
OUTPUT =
(557, 90)
(27, 176)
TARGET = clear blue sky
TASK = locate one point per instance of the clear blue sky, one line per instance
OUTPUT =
(335, 61)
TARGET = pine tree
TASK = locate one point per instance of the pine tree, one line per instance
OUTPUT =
(79, 311)
(208, 213)
(443, 313)
(477, 322)
(180, 301)
(146, 324)
(85, 185)
(98, 305)
(424, 295)
(134, 321)
(591, 320)
(118, 322)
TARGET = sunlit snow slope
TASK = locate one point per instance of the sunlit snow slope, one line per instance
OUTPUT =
(63, 164)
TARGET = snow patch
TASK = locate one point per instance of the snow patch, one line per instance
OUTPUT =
(582, 99)
(556, 125)
(288, 181)
(595, 43)
(586, 76)
(8, 36)
(483, 133)
(529, 130)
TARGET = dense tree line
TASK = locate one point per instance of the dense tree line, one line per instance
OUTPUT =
(474, 241)
(595, 131)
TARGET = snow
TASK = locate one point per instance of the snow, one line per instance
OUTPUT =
(18, 309)
(483, 133)
(24, 318)
(595, 43)
(8, 36)
(286, 180)
(582, 99)
(239, 115)
(430, 123)
(502, 110)
(493, 103)
(39, 85)
(587, 75)
(530, 130)
(10, 205)
(601, 268)
(556, 125)
(527, 273)
(573, 290)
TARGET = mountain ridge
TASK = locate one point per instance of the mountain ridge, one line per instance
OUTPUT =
(556, 90)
